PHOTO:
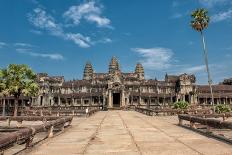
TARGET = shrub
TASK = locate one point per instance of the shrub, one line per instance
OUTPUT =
(181, 105)
(222, 108)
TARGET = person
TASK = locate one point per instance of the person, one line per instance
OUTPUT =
(87, 111)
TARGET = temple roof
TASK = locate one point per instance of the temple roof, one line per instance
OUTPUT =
(75, 83)
(171, 78)
(216, 88)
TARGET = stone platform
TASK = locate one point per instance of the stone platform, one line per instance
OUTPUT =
(129, 133)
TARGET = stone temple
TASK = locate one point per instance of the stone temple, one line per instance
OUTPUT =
(116, 89)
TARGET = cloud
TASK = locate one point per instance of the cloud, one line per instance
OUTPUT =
(88, 11)
(79, 39)
(53, 56)
(22, 49)
(157, 58)
(222, 16)
(23, 45)
(104, 41)
(2, 44)
(211, 3)
(36, 32)
(40, 19)
(176, 16)
(193, 69)
(101, 21)
(175, 4)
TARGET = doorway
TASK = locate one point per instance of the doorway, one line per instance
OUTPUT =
(116, 99)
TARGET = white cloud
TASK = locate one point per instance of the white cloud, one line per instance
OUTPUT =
(101, 21)
(2, 44)
(88, 11)
(222, 16)
(79, 39)
(176, 16)
(36, 32)
(175, 4)
(157, 58)
(40, 19)
(23, 45)
(53, 56)
(104, 41)
(22, 49)
(211, 3)
(193, 69)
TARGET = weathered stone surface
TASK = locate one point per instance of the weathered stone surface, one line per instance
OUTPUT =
(129, 133)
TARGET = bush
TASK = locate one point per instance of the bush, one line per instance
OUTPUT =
(181, 105)
(222, 108)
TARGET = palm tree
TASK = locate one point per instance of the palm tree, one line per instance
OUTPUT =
(200, 21)
(3, 91)
(18, 80)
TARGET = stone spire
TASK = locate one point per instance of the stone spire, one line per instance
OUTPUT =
(88, 71)
(114, 66)
(139, 71)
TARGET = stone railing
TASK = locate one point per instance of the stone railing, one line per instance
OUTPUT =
(60, 111)
(25, 135)
(50, 110)
(214, 125)
(167, 112)
(209, 122)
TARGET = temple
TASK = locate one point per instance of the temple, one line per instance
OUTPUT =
(119, 89)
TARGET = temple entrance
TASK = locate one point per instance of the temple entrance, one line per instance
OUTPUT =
(116, 99)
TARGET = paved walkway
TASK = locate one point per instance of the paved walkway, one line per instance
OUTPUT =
(129, 133)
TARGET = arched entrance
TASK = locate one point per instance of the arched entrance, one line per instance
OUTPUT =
(116, 99)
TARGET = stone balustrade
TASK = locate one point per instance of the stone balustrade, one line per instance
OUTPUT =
(25, 135)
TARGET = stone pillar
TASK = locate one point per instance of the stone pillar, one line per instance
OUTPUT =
(73, 101)
(110, 104)
(50, 132)
(81, 101)
(3, 107)
(58, 100)
(122, 99)
(104, 101)
(66, 102)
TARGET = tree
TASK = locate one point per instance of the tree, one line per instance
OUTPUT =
(222, 108)
(200, 21)
(181, 105)
(3, 91)
(18, 80)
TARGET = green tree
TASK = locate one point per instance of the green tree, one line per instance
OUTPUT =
(3, 91)
(181, 105)
(17, 80)
(222, 108)
(200, 21)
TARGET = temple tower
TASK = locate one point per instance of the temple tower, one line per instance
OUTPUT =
(88, 71)
(114, 65)
(139, 71)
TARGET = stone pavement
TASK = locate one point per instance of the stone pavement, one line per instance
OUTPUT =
(129, 133)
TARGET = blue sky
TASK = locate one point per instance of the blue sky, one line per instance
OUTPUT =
(59, 37)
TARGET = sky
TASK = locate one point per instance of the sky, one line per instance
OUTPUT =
(59, 37)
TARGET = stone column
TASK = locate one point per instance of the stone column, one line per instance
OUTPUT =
(122, 99)
(104, 100)
(110, 104)
(73, 101)
(81, 101)
(58, 100)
